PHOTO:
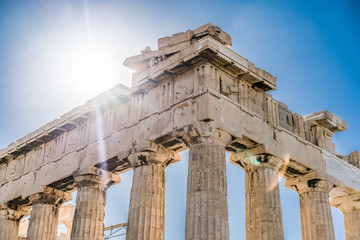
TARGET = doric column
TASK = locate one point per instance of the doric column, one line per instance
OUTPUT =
(66, 216)
(349, 205)
(44, 215)
(9, 221)
(263, 205)
(206, 203)
(147, 200)
(68, 226)
(315, 212)
(91, 183)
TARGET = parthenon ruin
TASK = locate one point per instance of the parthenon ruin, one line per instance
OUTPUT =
(194, 93)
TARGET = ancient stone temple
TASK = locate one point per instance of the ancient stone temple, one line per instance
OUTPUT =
(195, 93)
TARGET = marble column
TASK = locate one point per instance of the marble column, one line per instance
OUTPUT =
(349, 205)
(91, 183)
(9, 221)
(315, 212)
(44, 215)
(206, 202)
(263, 205)
(147, 202)
(68, 226)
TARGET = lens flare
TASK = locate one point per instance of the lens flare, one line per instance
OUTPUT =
(275, 182)
(100, 139)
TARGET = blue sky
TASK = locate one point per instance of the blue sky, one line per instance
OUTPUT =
(312, 47)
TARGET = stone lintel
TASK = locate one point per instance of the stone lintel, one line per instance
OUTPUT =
(327, 120)
(94, 175)
(347, 202)
(153, 154)
(304, 178)
(51, 196)
(340, 191)
(151, 146)
(259, 156)
(313, 181)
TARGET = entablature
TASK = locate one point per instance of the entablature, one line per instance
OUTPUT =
(65, 123)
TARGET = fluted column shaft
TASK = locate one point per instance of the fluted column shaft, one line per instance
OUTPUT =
(44, 222)
(89, 213)
(206, 203)
(44, 215)
(8, 228)
(316, 220)
(9, 222)
(352, 225)
(349, 205)
(147, 201)
(263, 204)
(68, 226)
(88, 222)
(315, 212)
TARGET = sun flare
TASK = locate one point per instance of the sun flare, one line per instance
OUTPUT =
(89, 69)
(80, 59)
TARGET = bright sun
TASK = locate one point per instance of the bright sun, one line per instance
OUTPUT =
(72, 58)
(83, 61)
(90, 68)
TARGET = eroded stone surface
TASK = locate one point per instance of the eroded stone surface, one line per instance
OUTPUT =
(322, 126)
(92, 184)
(354, 158)
(315, 212)
(9, 221)
(206, 202)
(66, 214)
(263, 205)
(147, 202)
(349, 205)
(44, 214)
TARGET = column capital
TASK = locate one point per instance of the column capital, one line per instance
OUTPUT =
(11, 212)
(153, 154)
(347, 203)
(206, 132)
(257, 157)
(50, 196)
(95, 176)
(311, 182)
